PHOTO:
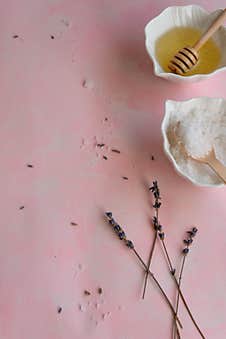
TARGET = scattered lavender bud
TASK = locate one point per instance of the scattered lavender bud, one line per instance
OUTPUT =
(100, 290)
(115, 150)
(87, 292)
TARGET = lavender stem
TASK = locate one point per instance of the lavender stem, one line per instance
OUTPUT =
(159, 286)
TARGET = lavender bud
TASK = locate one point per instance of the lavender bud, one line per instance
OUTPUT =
(108, 214)
(185, 250)
(117, 228)
(159, 228)
(157, 204)
(121, 235)
(173, 271)
(191, 234)
(154, 220)
(111, 222)
(156, 227)
(188, 241)
(129, 244)
(162, 235)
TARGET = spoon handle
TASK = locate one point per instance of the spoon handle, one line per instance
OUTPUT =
(211, 30)
(218, 168)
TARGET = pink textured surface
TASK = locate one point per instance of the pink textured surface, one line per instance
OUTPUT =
(55, 96)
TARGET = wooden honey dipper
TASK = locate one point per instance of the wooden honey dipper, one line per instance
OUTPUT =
(187, 57)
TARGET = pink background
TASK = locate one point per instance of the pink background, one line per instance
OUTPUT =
(55, 96)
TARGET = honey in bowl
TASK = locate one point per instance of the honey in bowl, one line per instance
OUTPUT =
(173, 40)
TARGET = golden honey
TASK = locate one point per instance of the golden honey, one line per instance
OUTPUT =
(175, 39)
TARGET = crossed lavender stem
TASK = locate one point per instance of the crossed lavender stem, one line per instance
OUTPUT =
(122, 236)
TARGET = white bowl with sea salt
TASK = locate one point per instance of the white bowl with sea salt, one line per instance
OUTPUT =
(199, 125)
(183, 16)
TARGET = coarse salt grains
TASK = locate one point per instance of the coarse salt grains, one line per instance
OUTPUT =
(195, 127)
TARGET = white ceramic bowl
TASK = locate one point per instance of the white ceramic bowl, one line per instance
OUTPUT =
(185, 112)
(171, 17)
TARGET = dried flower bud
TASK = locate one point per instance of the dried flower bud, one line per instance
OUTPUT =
(156, 227)
(121, 235)
(87, 292)
(185, 250)
(188, 241)
(159, 228)
(155, 220)
(157, 204)
(191, 234)
(173, 271)
(162, 235)
(117, 228)
(155, 190)
(111, 222)
(129, 244)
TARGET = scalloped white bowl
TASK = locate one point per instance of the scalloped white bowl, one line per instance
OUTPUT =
(191, 15)
(199, 174)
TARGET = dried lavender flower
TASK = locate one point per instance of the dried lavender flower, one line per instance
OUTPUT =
(162, 235)
(159, 228)
(185, 250)
(130, 245)
(108, 214)
(157, 204)
(188, 241)
(155, 190)
(118, 230)
(173, 271)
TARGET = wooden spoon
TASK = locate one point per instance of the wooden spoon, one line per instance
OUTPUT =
(208, 159)
(188, 56)
(211, 160)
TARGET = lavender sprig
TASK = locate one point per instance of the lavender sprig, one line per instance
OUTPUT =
(131, 245)
(188, 241)
(157, 204)
(159, 229)
(122, 236)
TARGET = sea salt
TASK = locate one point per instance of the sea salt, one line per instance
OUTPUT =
(195, 128)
